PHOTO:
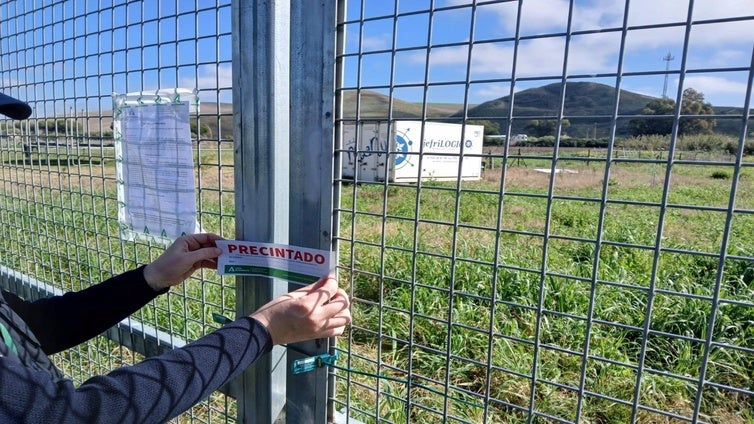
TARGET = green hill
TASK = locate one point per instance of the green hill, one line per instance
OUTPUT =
(587, 106)
(373, 105)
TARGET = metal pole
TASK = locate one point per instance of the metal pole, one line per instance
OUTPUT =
(312, 166)
(261, 56)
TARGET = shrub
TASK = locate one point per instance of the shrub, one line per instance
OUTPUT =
(732, 147)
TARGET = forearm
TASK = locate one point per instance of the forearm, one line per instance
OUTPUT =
(61, 322)
(154, 390)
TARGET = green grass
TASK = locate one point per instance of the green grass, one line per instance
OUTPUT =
(464, 258)
(515, 291)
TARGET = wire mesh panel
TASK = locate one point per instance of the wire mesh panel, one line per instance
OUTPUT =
(58, 203)
(599, 268)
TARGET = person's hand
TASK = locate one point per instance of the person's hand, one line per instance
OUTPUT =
(317, 311)
(181, 259)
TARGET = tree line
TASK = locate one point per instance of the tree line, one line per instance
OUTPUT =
(692, 107)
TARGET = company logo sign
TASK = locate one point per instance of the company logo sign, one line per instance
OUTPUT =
(403, 146)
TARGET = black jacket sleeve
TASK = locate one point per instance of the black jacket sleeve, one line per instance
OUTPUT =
(61, 322)
(153, 391)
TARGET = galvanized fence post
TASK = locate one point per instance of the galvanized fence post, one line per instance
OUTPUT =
(311, 176)
(260, 104)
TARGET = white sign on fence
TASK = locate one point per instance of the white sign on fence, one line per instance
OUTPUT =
(292, 263)
(412, 151)
(154, 164)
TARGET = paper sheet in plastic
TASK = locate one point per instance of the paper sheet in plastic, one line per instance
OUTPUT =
(154, 164)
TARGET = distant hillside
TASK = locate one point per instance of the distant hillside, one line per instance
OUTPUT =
(373, 105)
(731, 126)
(588, 107)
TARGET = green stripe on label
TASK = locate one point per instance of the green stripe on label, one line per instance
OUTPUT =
(270, 272)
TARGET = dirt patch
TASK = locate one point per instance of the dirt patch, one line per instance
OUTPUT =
(522, 177)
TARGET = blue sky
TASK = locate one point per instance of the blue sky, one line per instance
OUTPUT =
(89, 49)
(716, 49)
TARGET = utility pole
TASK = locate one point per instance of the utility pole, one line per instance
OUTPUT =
(668, 57)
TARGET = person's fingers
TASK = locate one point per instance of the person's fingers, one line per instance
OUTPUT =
(209, 263)
(332, 332)
(342, 302)
(318, 310)
(198, 241)
(205, 238)
(336, 325)
(333, 316)
(341, 293)
(209, 239)
(324, 300)
(324, 288)
(203, 254)
(335, 305)
(329, 287)
(331, 310)
(325, 283)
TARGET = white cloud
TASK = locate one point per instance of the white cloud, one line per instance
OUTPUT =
(714, 45)
(450, 56)
(550, 16)
(375, 43)
(539, 15)
(597, 53)
(491, 91)
(717, 84)
(723, 34)
(211, 78)
(645, 12)
(718, 91)
(712, 58)
(718, 9)
(649, 90)
(650, 12)
(537, 57)
(222, 78)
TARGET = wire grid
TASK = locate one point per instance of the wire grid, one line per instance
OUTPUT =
(608, 282)
(58, 202)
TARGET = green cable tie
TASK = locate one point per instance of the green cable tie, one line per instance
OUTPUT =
(301, 366)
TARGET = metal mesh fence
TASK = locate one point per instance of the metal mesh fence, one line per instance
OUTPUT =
(58, 204)
(593, 264)
(600, 267)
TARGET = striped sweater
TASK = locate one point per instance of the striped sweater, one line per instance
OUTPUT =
(33, 390)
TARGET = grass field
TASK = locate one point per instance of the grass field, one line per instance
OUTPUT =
(468, 292)
(496, 291)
